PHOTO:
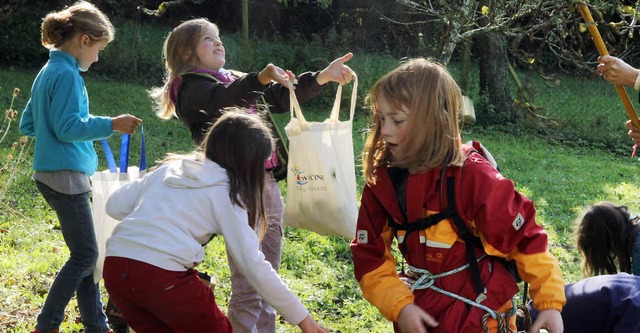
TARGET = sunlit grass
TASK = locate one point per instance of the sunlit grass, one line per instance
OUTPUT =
(561, 176)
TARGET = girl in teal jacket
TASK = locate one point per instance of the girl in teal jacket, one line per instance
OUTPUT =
(57, 116)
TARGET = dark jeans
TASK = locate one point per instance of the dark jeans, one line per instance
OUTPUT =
(76, 276)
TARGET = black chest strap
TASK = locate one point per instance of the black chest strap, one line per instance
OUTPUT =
(470, 240)
(451, 212)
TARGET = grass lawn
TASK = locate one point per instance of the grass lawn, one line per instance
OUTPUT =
(561, 176)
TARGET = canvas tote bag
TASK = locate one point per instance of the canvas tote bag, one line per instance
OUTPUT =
(321, 180)
(103, 184)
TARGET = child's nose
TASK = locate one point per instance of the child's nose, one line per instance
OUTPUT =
(386, 129)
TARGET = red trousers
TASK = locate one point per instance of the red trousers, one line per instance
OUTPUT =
(152, 299)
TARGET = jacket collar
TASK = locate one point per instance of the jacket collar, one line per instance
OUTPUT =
(61, 56)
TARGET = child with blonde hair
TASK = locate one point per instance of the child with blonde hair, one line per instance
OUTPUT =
(57, 116)
(197, 88)
(456, 219)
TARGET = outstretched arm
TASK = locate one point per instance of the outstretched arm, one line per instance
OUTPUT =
(125, 123)
(275, 73)
(337, 71)
(618, 72)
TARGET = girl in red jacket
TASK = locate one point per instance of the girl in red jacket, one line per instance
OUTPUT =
(455, 217)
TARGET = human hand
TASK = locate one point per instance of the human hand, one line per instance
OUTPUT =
(309, 325)
(549, 319)
(616, 71)
(277, 74)
(634, 132)
(337, 71)
(125, 123)
(412, 319)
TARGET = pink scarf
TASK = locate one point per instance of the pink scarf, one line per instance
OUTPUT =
(223, 76)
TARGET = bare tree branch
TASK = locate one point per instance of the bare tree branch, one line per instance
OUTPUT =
(162, 8)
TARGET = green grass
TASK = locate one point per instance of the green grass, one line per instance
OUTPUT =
(582, 161)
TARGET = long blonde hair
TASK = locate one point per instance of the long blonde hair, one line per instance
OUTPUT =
(433, 99)
(81, 18)
(179, 54)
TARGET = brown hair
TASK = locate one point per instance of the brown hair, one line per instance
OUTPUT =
(433, 99)
(241, 143)
(605, 235)
(179, 54)
(81, 18)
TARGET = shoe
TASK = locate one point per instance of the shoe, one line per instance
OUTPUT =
(114, 317)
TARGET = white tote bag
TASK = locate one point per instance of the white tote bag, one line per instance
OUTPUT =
(321, 180)
(103, 184)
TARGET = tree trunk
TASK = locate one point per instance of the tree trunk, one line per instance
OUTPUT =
(245, 21)
(465, 66)
(494, 80)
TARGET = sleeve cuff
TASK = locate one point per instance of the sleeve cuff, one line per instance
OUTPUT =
(395, 313)
(548, 306)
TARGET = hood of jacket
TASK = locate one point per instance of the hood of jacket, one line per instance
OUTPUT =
(191, 173)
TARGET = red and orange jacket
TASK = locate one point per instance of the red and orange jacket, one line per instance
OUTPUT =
(502, 218)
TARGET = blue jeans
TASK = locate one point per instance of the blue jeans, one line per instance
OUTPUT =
(76, 276)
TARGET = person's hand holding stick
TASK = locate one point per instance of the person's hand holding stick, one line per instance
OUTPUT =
(602, 49)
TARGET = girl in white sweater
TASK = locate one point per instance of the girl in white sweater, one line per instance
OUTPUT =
(168, 215)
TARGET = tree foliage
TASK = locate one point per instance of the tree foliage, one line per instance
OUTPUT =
(546, 35)
(538, 31)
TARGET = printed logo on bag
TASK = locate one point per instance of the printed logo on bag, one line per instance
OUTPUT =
(307, 181)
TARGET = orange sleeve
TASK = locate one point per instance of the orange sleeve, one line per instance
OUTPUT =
(374, 265)
(383, 289)
(542, 272)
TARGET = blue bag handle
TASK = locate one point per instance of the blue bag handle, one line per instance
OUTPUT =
(124, 153)
(111, 163)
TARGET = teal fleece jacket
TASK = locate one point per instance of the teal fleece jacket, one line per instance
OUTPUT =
(57, 116)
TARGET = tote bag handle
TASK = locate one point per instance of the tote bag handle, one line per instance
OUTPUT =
(294, 106)
(124, 153)
(336, 104)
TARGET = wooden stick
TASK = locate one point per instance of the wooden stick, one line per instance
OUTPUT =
(602, 49)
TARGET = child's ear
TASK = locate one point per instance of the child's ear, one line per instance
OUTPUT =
(187, 57)
(85, 40)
